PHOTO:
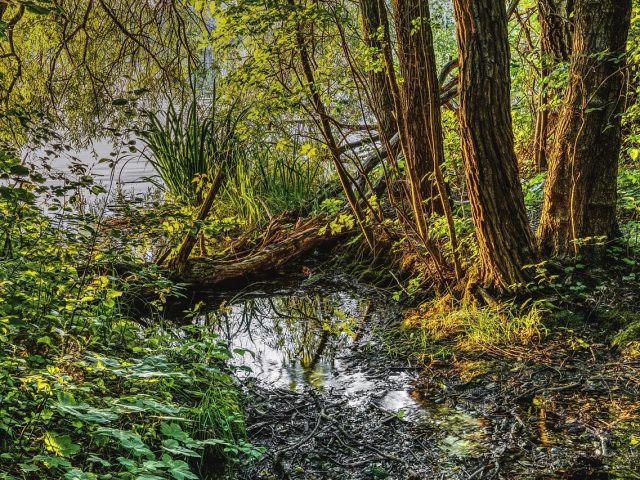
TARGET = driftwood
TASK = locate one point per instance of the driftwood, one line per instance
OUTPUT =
(292, 244)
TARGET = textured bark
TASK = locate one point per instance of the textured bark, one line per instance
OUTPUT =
(179, 262)
(505, 241)
(205, 271)
(375, 26)
(555, 48)
(581, 189)
(419, 103)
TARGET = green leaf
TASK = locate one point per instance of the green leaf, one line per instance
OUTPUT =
(178, 468)
(173, 430)
(129, 440)
(19, 170)
(35, 8)
(77, 474)
(60, 445)
(172, 446)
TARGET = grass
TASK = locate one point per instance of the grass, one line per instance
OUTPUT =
(189, 144)
(270, 182)
(471, 327)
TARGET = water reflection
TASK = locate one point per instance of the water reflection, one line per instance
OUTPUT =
(294, 339)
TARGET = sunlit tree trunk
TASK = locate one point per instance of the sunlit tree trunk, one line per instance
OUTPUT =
(419, 119)
(555, 48)
(419, 106)
(581, 189)
(375, 27)
(505, 241)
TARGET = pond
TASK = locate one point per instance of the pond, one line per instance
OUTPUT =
(326, 400)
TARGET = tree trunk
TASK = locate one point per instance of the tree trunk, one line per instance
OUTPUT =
(505, 241)
(581, 189)
(179, 261)
(555, 48)
(419, 103)
(375, 26)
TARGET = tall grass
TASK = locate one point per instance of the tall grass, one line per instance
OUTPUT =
(269, 182)
(190, 143)
(475, 328)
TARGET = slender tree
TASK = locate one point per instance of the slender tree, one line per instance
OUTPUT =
(555, 48)
(505, 241)
(581, 189)
(375, 27)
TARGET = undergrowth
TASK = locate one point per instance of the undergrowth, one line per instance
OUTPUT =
(468, 327)
(88, 389)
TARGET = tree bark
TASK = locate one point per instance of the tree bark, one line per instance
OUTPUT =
(555, 48)
(303, 239)
(375, 27)
(179, 261)
(418, 109)
(581, 189)
(505, 241)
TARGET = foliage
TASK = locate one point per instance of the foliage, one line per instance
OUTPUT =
(76, 60)
(88, 390)
(190, 145)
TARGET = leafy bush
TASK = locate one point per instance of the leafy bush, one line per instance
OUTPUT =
(88, 391)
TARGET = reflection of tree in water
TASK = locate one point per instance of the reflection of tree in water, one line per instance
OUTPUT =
(307, 331)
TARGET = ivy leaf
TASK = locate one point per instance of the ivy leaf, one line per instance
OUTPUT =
(66, 404)
(129, 440)
(60, 445)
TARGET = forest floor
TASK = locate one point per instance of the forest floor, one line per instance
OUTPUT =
(566, 406)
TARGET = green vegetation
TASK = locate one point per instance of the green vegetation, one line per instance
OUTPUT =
(272, 181)
(190, 144)
(88, 388)
(500, 207)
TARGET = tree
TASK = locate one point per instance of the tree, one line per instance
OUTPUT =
(581, 189)
(505, 241)
(418, 114)
(375, 27)
(555, 48)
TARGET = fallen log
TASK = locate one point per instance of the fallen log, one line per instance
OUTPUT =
(303, 238)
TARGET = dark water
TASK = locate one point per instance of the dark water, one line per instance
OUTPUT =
(318, 346)
(325, 396)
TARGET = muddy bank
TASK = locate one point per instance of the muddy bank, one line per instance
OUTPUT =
(328, 402)
(564, 409)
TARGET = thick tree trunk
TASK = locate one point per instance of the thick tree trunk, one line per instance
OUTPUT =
(581, 189)
(505, 241)
(555, 48)
(375, 26)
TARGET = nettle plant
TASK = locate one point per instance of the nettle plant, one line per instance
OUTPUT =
(88, 388)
